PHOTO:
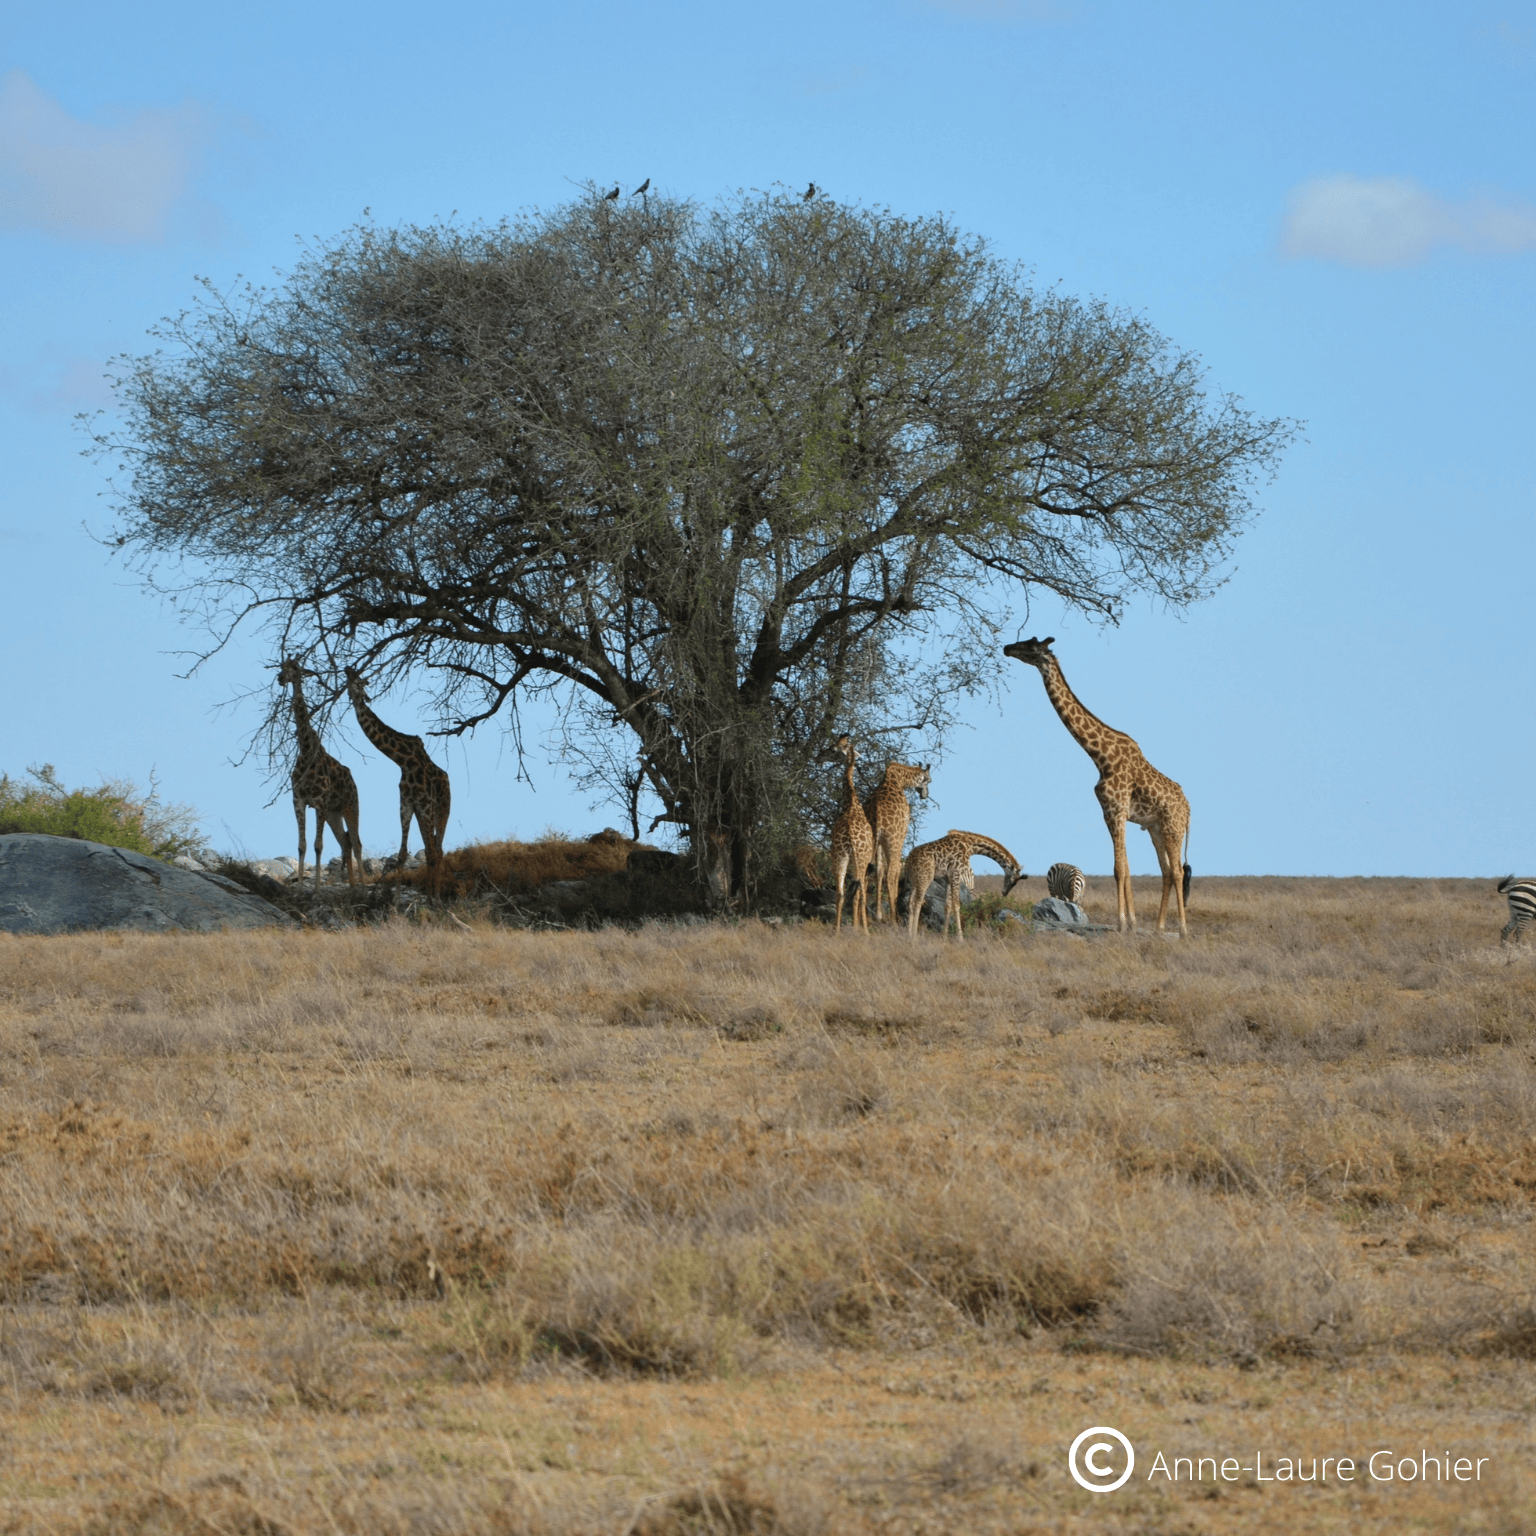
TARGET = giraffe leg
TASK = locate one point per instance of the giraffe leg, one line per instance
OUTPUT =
(880, 863)
(338, 825)
(300, 810)
(840, 874)
(319, 835)
(352, 847)
(440, 822)
(1174, 874)
(918, 881)
(1127, 915)
(405, 826)
(1165, 864)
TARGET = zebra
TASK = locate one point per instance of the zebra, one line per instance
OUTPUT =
(1066, 882)
(1522, 906)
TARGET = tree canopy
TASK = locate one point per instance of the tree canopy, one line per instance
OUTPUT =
(734, 480)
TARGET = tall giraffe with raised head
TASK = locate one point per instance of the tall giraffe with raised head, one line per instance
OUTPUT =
(949, 859)
(1129, 787)
(320, 781)
(424, 789)
(889, 816)
(853, 846)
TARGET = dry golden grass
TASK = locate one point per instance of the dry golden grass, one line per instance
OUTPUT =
(756, 1229)
(512, 867)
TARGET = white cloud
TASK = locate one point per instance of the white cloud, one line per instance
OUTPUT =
(1391, 221)
(117, 183)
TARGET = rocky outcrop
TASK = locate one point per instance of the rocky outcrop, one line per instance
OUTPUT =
(65, 884)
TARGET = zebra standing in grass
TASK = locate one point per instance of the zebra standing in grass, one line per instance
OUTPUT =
(1522, 906)
(1066, 882)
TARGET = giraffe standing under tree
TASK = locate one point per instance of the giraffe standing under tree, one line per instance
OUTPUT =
(949, 859)
(889, 816)
(320, 781)
(1129, 787)
(853, 844)
(424, 789)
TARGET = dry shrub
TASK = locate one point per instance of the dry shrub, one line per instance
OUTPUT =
(513, 867)
(1240, 1283)
(731, 1506)
(311, 1353)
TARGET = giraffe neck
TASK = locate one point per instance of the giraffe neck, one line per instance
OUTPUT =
(988, 847)
(389, 741)
(1090, 733)
(309, 738)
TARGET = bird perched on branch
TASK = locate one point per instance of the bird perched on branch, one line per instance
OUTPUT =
(642, 189)
(612, 197)
(809, 193)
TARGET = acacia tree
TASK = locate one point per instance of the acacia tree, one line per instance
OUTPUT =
(733, 480)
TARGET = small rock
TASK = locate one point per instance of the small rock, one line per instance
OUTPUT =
(186, 861)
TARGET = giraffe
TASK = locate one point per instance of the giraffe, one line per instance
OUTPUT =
(949, 859)
(320, 781)
(889, 816)
(1129, 788)
(853, 843)
(424, 790)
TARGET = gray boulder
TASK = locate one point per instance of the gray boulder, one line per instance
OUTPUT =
(278, 869)
(64, 884)
(1055, 910)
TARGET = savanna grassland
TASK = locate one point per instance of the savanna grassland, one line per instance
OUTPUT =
(742, 1228)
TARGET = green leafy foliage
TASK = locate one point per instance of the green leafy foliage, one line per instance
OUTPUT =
(117, 812)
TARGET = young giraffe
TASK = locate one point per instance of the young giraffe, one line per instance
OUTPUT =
(320, 781)
(424, 790)
(853, 844)
(1129, 787)
(949, 859)
(889, 816)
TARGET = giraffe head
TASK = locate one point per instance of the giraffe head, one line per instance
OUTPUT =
(1033, 652)
(355, 689)
(290, 672)
(911, 776)
(845, 749)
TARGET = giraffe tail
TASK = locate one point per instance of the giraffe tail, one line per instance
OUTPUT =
(1189, 874)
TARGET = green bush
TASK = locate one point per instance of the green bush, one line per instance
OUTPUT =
(986, 907)
(117, 812)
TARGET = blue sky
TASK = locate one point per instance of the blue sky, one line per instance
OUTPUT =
(1334, 206)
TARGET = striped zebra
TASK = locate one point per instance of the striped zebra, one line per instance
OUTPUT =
(1522, 906)
(1066, 882)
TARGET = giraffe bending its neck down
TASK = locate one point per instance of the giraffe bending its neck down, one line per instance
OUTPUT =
(889, 816)
(424, 790)
(949, 860)
(853, 846)
(320, 781)
(1129, 787)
